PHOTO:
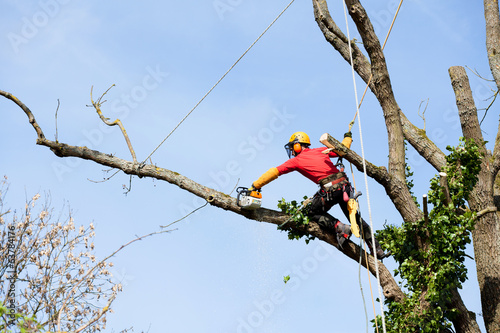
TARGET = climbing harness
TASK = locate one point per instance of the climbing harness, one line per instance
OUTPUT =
(217, 83)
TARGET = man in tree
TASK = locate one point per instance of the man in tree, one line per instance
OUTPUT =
(335, 188)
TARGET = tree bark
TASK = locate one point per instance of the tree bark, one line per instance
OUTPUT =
(466, 321)
(492, 19)
(486, 234)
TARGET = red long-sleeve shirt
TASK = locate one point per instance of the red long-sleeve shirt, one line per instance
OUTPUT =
(311, 163)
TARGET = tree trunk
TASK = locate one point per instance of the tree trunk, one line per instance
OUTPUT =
(486, 234)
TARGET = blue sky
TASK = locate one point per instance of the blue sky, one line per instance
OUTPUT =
(219, 272)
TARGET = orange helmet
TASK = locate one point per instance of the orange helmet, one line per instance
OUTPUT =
(297, 141)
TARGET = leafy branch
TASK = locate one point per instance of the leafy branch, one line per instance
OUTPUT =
(298, 216)
(431, 252)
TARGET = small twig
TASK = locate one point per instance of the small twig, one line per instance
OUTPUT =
(235, 186)
(494, 95)
(105, 179)
(423, 112)
(117, 122)
(194, 211)
(129, 188)
(96, 266)
(101, 313)
(489, 106)
(475, 72)
(58, 104)
(2, 214)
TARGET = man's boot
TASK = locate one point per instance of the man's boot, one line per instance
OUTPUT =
(367, 235)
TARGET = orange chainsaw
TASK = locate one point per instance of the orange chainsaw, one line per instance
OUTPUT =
(248, 199)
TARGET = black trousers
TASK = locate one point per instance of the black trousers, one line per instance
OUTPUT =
(324, 200)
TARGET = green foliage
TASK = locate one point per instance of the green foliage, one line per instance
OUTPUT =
(431, 254)
(12, 321)
(298, 216)
(286, 278)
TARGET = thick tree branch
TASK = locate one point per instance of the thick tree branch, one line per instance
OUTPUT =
(215, 198)
(465, 322)
(384, 92)
(422, 144)
(492, 19)
(466, 107)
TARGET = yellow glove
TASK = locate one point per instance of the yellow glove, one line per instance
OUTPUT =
(266, 178)
(347, 140)
(352, 207)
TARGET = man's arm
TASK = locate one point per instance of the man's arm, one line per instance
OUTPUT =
(266, 178)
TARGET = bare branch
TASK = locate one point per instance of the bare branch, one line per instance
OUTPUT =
(98, 265)
(423, 112)
(58, 104)
(117, 122)
(27, 111)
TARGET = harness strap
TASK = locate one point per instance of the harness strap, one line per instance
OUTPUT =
(333, 179)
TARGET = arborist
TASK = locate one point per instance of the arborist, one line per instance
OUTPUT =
(335, 188)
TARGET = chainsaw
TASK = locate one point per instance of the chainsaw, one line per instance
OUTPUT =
(248, 199)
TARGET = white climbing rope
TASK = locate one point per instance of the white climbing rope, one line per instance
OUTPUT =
(364, 168)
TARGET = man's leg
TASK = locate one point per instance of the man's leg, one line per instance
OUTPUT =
(366, 232)
(317, 211)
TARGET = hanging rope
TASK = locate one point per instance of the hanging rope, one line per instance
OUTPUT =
(215, 85)
(371, 75)
(364, 168)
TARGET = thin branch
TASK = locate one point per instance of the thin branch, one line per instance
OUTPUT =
(495, 95)
(105, 179)
(129, 188)
(58, 104)
(117, 122)
(423, 112)
(96, 266)
(99, 316)
(182, 218)
(27, 111)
